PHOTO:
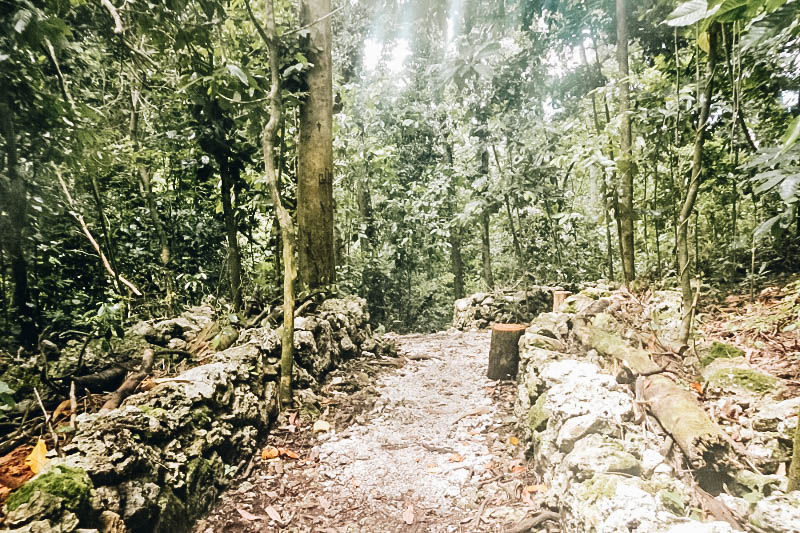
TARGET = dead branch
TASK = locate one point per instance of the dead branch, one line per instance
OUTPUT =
(129, 385)
(91, 239)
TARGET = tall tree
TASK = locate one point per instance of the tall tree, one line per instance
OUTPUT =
(625, 161)
(315, 243)
(12, 224)
(690, 195)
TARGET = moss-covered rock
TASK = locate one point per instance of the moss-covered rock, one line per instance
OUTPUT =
(719, 350)
(71, 485)
(735, 375)
(538, 415)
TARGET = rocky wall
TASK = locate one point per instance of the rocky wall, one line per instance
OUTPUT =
(608, 469)
(158, 462)
(482, 309)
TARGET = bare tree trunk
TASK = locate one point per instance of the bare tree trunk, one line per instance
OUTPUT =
(234, 254)
(486, 251)
(146, 190)
(690, 195)
(288, 231)
(12, 226)
(316, 243)
(625, 161)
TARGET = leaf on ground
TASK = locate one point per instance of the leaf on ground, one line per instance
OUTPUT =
(270, 452)
(286, 452)
(274, 514)
(36, 460)
(248, 515)
(514, 441)
(293, 419)
(321, 426)
(408, 514)
(536, 488)
(519, 469)
(433, 468)
(697, 387)
(456, 458)
(62, 410)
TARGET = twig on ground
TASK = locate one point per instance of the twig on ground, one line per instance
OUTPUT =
(73, 407)
(477, 519)
(529, 523)
(48, 422)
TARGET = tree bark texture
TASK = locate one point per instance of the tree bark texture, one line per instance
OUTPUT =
(625, 161)
(315, 237)
(12, 226)
(234, 254)
(690, 195)
(794, 468)
(486, 250)
(288, 231)
(504, 351)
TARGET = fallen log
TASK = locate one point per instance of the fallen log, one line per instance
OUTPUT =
(700, 438)
(129, 385)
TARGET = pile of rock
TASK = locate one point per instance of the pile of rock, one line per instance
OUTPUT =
(608, 470)
(158, 462)
(482, 309)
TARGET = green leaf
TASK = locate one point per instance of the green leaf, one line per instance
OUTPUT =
(21, 20)
(766, 226)
(702, 42)
(731, 10)
(791, 135)
(688, 13)
(238, 72)
(5, 389)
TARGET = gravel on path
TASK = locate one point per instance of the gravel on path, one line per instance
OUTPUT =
(435, 453)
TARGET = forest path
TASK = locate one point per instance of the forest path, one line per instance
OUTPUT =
(436, 453)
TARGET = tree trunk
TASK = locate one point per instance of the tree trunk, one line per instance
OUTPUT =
(146, 190)
(486, 251)
(316, 253)
(12, 226)
(456, 262)
(504, 351)
(625, 161)
(234, 255)
(288, 231)
(690, 196)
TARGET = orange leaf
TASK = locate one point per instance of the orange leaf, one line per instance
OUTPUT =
(286, 452)
(408, 514)
(519, 469)
(697, 387)
(514, 441)
(62, 409)
(270, 452)
(36, 460)
(456, 458)
(536, 488)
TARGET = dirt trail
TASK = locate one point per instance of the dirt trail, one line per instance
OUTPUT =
(436, 453)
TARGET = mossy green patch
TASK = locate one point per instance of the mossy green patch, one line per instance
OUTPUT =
(672, 501)
(720, 350)
(537, 414)
(595, 293)
(202, 415)
(743, 378)
(72, 485)
(600, 486)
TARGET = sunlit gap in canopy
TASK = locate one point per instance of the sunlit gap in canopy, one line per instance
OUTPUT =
(389, 49)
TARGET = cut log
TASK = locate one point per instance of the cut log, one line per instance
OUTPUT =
(558, 299)
(504, 351)
(700, 439)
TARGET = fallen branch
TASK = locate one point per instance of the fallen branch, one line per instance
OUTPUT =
(48, 422)
(529, 523)
(129, 385)
(92, 240)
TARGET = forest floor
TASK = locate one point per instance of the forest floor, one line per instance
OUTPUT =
(431, 447)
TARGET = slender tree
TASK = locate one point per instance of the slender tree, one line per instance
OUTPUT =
(690, 195)
(316, 243)
(625, 161)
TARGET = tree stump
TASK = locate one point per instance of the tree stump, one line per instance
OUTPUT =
(558, 299)
(504, 351)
